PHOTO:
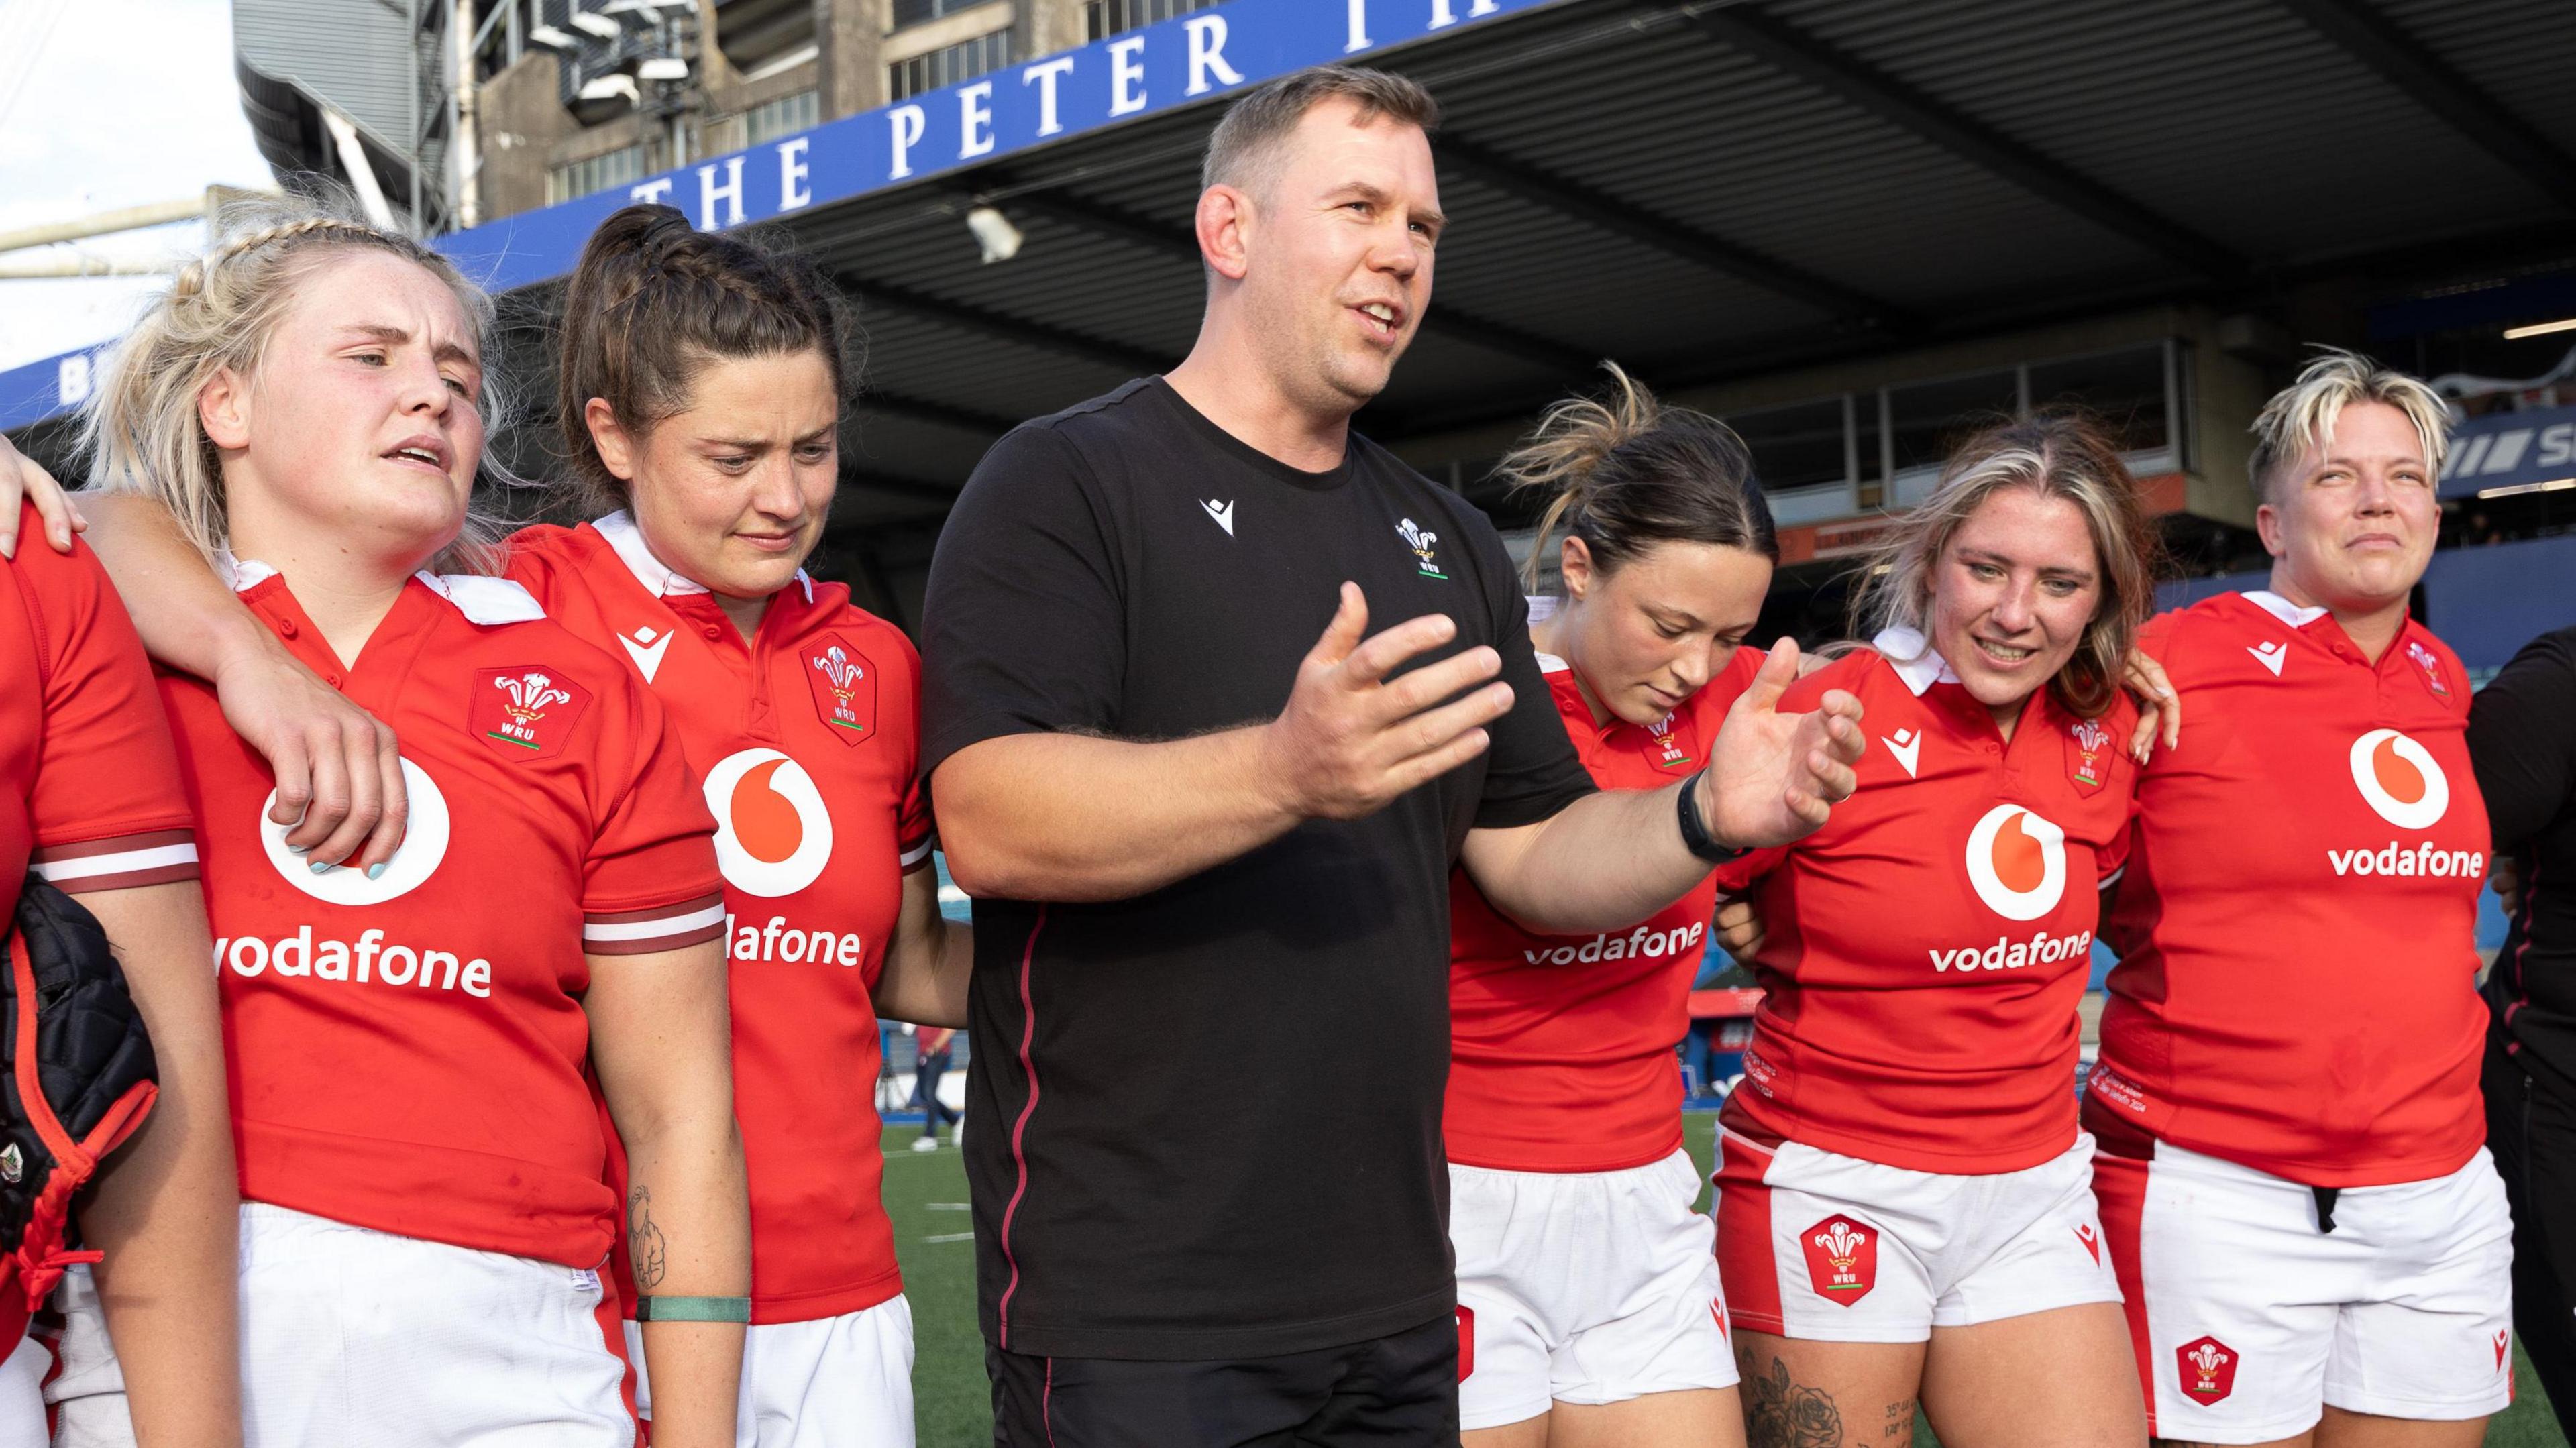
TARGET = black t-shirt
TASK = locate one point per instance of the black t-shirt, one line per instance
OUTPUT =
(2522, 741)
(1209, 1117)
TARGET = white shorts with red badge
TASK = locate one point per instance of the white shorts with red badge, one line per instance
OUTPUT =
(2248, 1319)
(1823, 1247)
(1583, 1287)
(833, 1382)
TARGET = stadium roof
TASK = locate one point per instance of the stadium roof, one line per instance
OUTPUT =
(1703, 190)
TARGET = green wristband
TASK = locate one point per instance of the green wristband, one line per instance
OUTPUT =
(693, 1309)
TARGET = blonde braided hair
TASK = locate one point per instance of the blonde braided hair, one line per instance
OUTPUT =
(140, 432)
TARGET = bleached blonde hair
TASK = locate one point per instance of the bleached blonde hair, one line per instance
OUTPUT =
(140, 431)
(2302, 415)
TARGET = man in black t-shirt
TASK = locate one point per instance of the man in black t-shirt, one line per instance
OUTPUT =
(1209, 826)
(2522, 741)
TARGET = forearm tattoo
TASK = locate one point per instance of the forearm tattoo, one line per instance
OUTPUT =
(644, 1240)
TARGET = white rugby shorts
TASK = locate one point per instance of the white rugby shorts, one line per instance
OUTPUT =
(2248, 1319)
(353, 1336)
(1583, 1287)
(834, 1382)
(1823, 1247)
(22, 1405)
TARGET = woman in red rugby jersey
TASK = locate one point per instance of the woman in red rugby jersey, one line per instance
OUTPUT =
(1589, 1308)
(91, 803)
(1905, 1203)
(701, 378)
(2310, 1232)
(413, 1039)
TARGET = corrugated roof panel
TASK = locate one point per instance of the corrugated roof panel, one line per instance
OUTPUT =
(2236, 120)
(2227, 116)
(2512, 50)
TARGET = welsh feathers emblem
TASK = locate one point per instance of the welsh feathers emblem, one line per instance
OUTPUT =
(1666, 752)
(526, 711)
(844, 685)
(2207, 1369)
(2088, 756)
(1420, 540)
(1842, 1258)
(2431, 666)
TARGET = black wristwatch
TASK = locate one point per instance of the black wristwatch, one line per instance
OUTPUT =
(1695, 836)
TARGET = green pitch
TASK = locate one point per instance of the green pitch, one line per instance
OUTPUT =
(926, 1196)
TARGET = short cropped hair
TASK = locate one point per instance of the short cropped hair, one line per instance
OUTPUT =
(2302, 415)
(1244, 147)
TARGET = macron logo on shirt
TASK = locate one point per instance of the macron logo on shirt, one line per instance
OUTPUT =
(1907, 746)
(2270, 655)
(646, 650)
(1223, 513)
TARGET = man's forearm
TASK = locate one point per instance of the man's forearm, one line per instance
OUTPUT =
(188, 619)
(1604, 862)
(1067, 817)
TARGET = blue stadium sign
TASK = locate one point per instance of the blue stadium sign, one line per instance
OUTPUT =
(2505, 453)
(1184, 61)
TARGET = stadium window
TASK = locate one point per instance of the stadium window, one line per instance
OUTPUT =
(783, 116)
(2127, 389)
(621, 167)
(1800, 446)
(1926, 419)
(918, 12)
(1110, 17)
(983, 54)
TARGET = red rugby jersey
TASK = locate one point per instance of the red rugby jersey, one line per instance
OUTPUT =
(1561, 1046)
(2296, 987)
(807, 741)
(407, 1053)
(1927, 948)
(89, 787)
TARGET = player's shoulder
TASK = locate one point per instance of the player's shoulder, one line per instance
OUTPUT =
(1859, 670)
(2209, 636)
(504, 620)
(830, 610)
(52, 577)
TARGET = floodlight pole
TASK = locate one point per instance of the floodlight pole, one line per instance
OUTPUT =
(466, 142)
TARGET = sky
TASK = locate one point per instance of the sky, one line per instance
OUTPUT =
(109, 103)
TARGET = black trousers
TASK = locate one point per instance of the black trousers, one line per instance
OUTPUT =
(1399, 1391)
(2531, 1130)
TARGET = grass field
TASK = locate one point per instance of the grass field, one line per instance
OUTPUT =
(926, 1196)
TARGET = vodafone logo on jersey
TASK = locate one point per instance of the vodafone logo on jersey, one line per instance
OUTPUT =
(773, 835)
(2398, 778)
(2017, 862)
(2017, 865)
(424, 846)
(2403, 784)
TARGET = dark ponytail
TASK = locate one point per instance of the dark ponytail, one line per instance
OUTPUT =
(654, 300)
(1625, 473)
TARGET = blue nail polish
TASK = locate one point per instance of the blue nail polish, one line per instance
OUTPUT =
(297, 849)
(376, 871)
(320, 868)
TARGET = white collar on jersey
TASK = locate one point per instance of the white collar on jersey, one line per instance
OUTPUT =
(1911, 655)
(2282, 609)
(488, 602)
(658, 577)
